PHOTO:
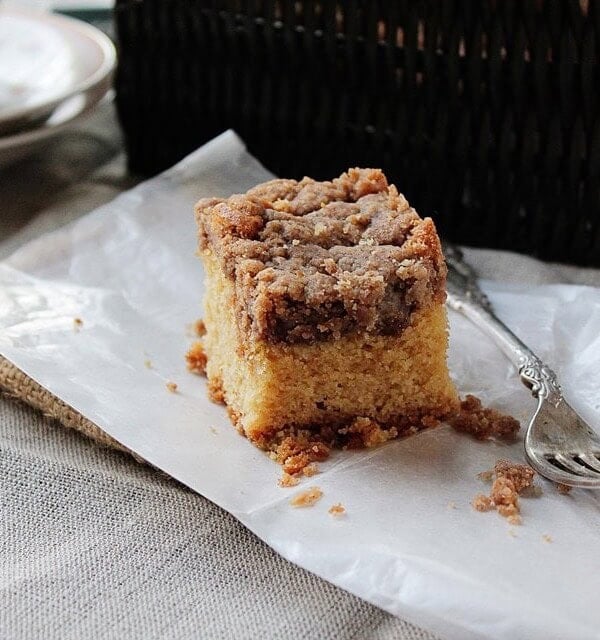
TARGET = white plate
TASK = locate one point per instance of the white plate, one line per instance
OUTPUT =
(18, 146)
(44, 60)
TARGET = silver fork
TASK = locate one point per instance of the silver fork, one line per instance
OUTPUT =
(559, 443)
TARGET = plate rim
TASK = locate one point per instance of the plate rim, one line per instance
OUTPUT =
(63, 23)
(37, 134)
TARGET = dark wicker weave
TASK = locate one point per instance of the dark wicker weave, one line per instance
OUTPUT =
(484, 112)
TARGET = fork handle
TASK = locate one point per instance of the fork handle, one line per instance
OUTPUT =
(537, 376)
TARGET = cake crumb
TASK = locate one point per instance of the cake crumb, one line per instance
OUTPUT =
(512, 533)
(310, 470)
(509, 510)
(510, 480)
(196, 358)
(296, 448)
(297, 452)
(547, 538)
(296, 463)
(199, 328)
(307, 498)
(195, 329)
(505, 497)
(77, 323)
(482, 503)
(214, 431)
(521, 475)
(483, 423)
(337, 510)
(148, 363)
(369, 432)
(452, 505)
(287, 480)
(563, 489)
(172, 387)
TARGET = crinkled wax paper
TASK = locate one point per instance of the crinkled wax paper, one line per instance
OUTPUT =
(130, 272)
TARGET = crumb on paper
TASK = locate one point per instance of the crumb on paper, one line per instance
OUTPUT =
(505, 497)
(521, 475)
(482, 503)
(337, 510)
(199, 327)
(307, 498)
(214, 431)
(287, 480)
(77, 323)
(294, 453)
(546, 538)
(296, 448)
(452, 505)
(369, 432)
(310, 470)
(563, 489)
(512, 533)
(172, 387)
(196, 329)
(483, 423)
(510, 481)
(148, 363)
(196, 358)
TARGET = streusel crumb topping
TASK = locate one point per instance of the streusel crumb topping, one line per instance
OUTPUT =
(317, 260)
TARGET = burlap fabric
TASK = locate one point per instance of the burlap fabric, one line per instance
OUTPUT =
(95, 545)
(15, 384)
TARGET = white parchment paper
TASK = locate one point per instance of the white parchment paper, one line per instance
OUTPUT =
(410, 541)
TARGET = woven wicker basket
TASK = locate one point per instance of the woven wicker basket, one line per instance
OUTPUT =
(484, 112)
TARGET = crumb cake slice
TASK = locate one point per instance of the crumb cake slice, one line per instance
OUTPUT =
(324, 310)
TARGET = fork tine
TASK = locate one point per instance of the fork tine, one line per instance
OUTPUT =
(590, 460)
(575, 467)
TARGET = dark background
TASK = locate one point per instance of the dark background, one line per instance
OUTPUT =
(484, 113)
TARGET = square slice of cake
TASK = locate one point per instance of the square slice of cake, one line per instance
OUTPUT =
(324, 310)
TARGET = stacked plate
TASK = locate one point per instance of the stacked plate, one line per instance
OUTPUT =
(53, 71)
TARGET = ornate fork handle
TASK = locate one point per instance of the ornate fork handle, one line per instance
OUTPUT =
(465, 296)
(540, 378)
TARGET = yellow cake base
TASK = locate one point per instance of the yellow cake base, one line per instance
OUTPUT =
(397, 381)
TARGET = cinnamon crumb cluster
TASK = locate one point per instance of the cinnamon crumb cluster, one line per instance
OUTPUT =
(196, 358)
(295, 454)
(482, 423)
(298, 451)
(287, 480)
(510, 480)
(366, 433)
